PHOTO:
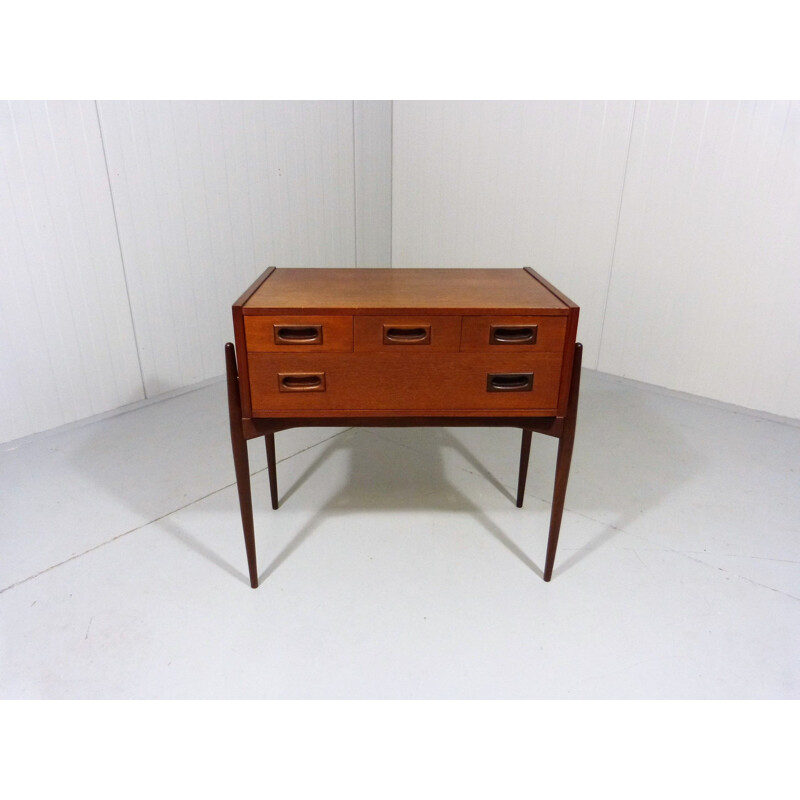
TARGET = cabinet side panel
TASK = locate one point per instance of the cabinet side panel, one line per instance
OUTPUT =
(240, 338)
(568, 358)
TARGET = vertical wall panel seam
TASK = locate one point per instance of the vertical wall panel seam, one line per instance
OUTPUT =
(391, 185)
(70, 305)
(355, 191)
(119, 243)
(616, 236)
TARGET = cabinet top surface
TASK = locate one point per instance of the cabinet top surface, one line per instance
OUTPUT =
(386, 290)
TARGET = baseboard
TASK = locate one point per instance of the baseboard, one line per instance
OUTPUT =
(695, 398)
(13, 444)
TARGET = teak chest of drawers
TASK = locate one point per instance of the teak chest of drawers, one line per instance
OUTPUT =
(403, 347)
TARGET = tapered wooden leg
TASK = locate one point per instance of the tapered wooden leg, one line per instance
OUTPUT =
(241, 462)
(563, 461)
(269, 438)
(524, 457)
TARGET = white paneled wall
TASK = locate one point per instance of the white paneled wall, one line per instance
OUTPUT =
(127, 229)
(705, 291)
(67, 347)
(208, 195)
(507, 184)
(372, 120)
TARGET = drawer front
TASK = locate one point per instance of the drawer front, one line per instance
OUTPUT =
(411, 334)
(298, 334)
(393, 381)
(531, 334)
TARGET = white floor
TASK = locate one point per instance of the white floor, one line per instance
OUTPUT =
(398, 565)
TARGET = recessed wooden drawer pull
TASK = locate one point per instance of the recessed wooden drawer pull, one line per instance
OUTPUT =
(301, 381)
(298, 334)
(509, 382)
(512, 334)
(398, 334)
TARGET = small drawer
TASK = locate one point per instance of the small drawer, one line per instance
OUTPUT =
(543, 334)
(298, 334)
(414, 334)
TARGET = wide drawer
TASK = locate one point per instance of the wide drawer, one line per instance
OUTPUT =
(298, 334)
(393, 381)
(417, 334)
(535, 334)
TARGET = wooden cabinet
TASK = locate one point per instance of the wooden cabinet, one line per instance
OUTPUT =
(403, 347)
(404, 341)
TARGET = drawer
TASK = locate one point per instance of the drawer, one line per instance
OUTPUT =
(393, 381)
(543, 334)
(418, 334)
(298, 334)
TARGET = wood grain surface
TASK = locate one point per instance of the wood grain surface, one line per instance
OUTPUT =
(550, 332)
(445, 333)
(403, 291)
(394, 380)
(337, 333)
